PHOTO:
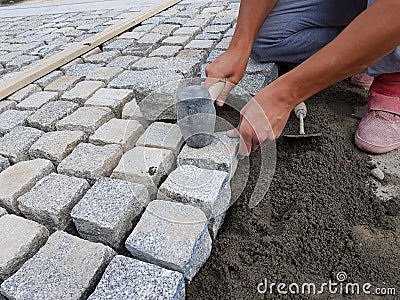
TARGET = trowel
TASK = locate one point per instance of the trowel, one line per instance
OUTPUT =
(300, 112)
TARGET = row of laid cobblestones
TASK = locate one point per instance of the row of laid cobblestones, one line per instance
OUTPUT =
(91, 156)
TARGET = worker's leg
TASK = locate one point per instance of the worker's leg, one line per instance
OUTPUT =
(296, 29)
(379, 130)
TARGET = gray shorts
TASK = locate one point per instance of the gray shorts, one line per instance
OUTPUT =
(296, 29)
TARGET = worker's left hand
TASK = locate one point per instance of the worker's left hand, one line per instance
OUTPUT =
(262, 119)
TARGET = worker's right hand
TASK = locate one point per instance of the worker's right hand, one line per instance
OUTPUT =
(228, 67)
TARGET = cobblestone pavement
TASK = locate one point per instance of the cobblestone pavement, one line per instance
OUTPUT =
(84, 156)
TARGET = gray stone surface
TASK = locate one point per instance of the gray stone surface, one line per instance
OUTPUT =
(125, 61)
(20, 239)
(165, 29)
(66, 267)
(81, 69)
(131, 111)
(166, 51)
(82, 91)
(86, 119)
(145, 165)
(51, 200)
(46, 117)
(151, 38)
(162, 135)
(103, 58)
(46, 147)
(90, 161)
(24, 92)
(219, 155)
(12, 118)
(139, 49)
(63, 83)
(200, 44)
(144, 82)
(178, 40)
(107, 211)
(119, 44)
(37, 100)
(4, 163)
(113, 99)
(49, 78)
(6, 105)
(116, 131)
(15, 144)
(20, 178)
(104, 74)
(128, 278)
(167, 234)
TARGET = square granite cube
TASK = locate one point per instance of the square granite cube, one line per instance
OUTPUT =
(114, 99)
(63, 83)
(107, 211)
(220, 155)
(4, 163)
(104, 74)
(82, 91)
(86, 119)
(167, 235)
(166, 51)
(12, 118)
(15, 144)
(24, 92)
(90, 161)
(116, 131)
(6, 105)
(37, 100)
(162, 135)
(20, 239)
(125, 277)
(51, 200)
(131, 111)
(66, 267)
(46, 117)
(20, 178)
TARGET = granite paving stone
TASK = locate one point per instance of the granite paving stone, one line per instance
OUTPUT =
(197, 22)
(219, 155)
(131, 111)
(165, 29)
(86, 119)
(144, 82)
(191, 54)
(217, 28)
(151, 38)
(49, 78)
(82, 69)
(20, 178)
(124, 61)
(145, 165)
(154, 20)
(24, 92)
(74, 62)
(51, 200)
(20, 240)
(46, 117)
(224, 43)
(209, 36)
(46, 148)
(66, 267)
(37, 100)
(108, 210)
(90, 161)
(167, 234)
(200, 44)
(15, 144)
(21, 60)
(104, 74)
(116, 131)
(162, 135)
(119, 45)
(63, 83)
(177, 20)
(12, 118)
(166, 51)
(146, 63)
(4, 163)
(126, 276)
(6, 105)
(177, 40)
(253, 83)
(129, 36)
(82, 91)
(113, 99)
(144, 28)
(139, 49)
(103, 58)
(187, 31)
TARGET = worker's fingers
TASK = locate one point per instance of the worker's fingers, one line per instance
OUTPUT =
(233, 133)
(224, 94)
(245, 145)
(216, 89)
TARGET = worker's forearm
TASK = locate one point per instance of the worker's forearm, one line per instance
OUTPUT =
(372, 35)
(252, 15)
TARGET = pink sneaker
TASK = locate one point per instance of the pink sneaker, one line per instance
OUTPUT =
(362, 80)
(379, 130)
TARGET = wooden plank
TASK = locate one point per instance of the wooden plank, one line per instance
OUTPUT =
(52, 63)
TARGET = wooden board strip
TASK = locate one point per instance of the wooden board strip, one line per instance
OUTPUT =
(54, 62)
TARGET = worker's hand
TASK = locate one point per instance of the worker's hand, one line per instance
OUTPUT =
(262, 119)
(228, 67)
